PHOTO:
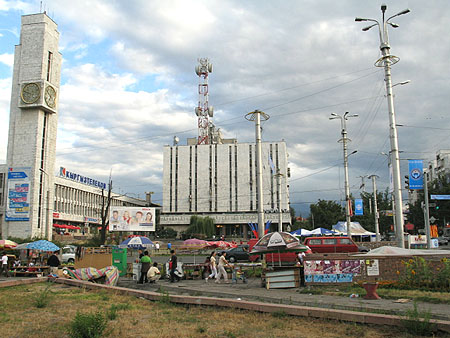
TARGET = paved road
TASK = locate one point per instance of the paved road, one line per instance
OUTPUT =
(253, 291)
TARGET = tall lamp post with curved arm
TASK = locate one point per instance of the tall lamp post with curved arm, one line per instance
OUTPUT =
(386, 61)
(344, 140)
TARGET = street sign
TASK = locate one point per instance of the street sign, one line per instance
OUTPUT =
(432, 219)
(440, 197)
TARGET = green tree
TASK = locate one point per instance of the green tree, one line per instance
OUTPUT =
(368, 219)
(439, 186)
(201, 227)
(325, 213)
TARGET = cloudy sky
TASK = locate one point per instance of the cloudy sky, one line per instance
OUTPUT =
(129, 86)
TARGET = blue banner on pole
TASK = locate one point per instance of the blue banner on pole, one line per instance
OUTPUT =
(415, 174)
(359, 210)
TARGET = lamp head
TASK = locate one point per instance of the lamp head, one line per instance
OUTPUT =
(365, 29)
(360, 19)
(393, 25)
(406, 11)
(383, 8)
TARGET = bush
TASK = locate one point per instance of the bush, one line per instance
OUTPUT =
(166, 233)
(419, 274)
(42, 299)
(418, 322)
(87, 325)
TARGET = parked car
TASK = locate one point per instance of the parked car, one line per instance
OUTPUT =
(68, 254)
(333, 244)
(240, 253)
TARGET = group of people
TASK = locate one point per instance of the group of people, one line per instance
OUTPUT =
(218, 269)
(149, 272)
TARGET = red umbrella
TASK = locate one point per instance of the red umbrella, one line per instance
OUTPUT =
(7, 244)
(221, 244)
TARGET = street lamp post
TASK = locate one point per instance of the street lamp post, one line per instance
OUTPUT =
(344, 140)
(386, 61)
(256, 116)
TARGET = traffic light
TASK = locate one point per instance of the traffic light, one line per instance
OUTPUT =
(407, 182)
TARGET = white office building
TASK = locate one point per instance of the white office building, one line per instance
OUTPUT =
(219, 181)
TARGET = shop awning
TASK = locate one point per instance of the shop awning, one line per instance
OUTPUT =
(65, 226)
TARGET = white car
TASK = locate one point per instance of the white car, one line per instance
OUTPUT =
(68, 254)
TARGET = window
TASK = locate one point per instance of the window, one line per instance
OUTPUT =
(315, 242)
(346, 241)
(49, 65)
(329, 241)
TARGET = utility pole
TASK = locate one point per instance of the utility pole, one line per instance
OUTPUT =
(375, 208)
(386, 61)
(344, 140)
(257, 116)
(426, 211)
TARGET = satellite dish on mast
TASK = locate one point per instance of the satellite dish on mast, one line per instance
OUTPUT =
(176, 140)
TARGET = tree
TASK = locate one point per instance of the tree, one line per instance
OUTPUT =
(104, 211)
(367, 220)
(292, 212)
(201, 227)
(439, 186)
(326, 213)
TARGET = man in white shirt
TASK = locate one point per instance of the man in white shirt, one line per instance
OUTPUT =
(154, 274)
(4, 266)
(222, 264)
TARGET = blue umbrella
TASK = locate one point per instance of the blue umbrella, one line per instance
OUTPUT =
(43, 245)
(138, 242)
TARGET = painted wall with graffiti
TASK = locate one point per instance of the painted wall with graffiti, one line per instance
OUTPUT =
(331, 271)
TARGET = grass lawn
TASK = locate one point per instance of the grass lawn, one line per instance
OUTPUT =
(384, 292)
(19, 317)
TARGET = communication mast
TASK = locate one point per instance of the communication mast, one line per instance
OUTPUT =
(203, 111)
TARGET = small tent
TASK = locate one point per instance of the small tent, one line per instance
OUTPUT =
(356, 229)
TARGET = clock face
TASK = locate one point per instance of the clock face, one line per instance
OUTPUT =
(31, 92)
(50, 96)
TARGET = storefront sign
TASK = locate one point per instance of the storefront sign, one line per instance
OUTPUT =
(63, 172)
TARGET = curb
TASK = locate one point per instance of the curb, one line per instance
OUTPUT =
(293, 310)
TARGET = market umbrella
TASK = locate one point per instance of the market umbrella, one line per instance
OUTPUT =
(7, 244)
(137, 242)
(43, 245)
(22, 246)
(221, 244)
(194, 244)
(276, 242)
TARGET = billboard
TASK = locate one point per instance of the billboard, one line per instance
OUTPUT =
(18, 194)
(132, 219)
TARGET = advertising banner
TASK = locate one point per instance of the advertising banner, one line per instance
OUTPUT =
(415, 174)
(359, 211)
(132, 219)
(18, 194)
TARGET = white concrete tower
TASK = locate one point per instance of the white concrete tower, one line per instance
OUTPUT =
(32, 130)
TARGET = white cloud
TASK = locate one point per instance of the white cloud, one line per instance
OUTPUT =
(7, 59)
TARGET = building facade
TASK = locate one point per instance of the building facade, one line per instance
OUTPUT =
(32, 129)
(219, 181)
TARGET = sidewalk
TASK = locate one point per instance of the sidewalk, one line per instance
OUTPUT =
(253, 291)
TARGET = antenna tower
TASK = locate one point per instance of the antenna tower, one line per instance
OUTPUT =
(203, 111)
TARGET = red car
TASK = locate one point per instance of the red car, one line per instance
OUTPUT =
(333, 244)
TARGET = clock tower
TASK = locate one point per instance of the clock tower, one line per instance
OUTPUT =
(32, 130)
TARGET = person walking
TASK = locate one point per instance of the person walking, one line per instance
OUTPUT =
(173, 266)
(222, 264)
(146, 262)
(212, 265)
(53, 262)
(4, 266)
